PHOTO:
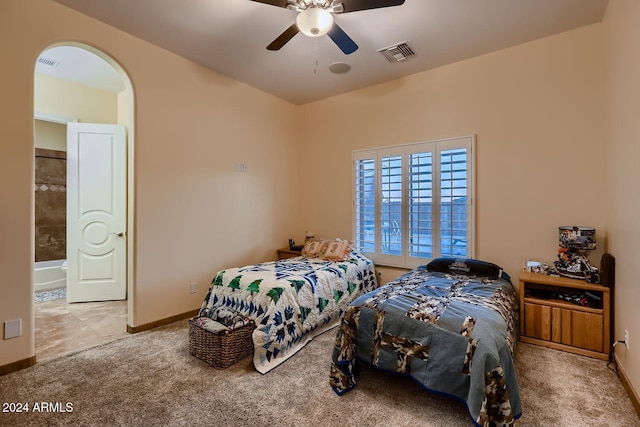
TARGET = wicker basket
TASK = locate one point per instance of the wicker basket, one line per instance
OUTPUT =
(222, 349)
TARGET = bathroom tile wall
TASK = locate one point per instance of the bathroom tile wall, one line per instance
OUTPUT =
(50, 204)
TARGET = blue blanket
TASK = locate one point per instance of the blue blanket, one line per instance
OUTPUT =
(452, 334)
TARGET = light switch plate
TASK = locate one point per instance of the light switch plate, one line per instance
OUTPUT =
(12, 328)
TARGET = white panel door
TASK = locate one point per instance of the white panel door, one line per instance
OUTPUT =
(96, 212)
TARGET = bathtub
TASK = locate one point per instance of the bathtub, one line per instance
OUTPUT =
(49, 275)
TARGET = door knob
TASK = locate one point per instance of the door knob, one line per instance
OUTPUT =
(120, 234)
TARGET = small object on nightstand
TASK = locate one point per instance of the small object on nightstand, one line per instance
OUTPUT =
(294, 247)
(575, 244)
(536, 266)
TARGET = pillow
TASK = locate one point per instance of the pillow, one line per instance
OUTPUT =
(467, 266)
(338, 250)
(314, 248)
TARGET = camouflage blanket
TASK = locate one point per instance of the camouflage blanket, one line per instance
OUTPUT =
(452, 334)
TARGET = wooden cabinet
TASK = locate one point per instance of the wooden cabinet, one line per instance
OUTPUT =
(285, 253)
(547, 320)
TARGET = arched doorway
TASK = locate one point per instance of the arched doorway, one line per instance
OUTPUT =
(78, 83)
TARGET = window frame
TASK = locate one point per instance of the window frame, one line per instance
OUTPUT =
(436, 147)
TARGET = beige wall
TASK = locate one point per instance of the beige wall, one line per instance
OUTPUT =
(193, 214)
(50, 135)
(56, 97)
(537, 111)
(64, 98)
(623, 141)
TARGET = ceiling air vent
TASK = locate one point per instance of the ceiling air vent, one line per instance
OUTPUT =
(48, 61)
(398, 52)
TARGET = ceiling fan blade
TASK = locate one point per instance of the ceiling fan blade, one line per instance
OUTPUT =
(355, 5)
(341, 38)
(284, 37)
(279, 3)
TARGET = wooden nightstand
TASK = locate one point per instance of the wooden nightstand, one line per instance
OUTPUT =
(552, 322)
(285, 253)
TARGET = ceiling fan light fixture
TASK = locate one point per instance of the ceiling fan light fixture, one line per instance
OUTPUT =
(314, 21)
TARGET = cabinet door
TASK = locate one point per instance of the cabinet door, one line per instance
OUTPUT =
(556, 324)
(566, 327)
(537, 322)
(584, 330)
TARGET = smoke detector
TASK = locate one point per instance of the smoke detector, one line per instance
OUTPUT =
(339, 67)
(398, 52)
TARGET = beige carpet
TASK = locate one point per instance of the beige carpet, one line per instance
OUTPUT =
(149, 379)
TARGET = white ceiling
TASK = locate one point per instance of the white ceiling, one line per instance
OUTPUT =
(230, 37)
(80, 66)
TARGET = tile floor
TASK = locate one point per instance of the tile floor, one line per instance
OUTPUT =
(62, 328)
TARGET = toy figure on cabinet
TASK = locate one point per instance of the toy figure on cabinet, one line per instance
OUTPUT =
(575, 242)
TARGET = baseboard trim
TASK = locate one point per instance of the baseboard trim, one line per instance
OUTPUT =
(30, 361)
(635, 400)
(16, 366)
(161, 322)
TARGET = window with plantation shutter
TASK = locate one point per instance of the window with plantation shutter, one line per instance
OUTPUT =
(413, 203)
(420, 204)
(453, 206)
(391, 205)
(365, 204)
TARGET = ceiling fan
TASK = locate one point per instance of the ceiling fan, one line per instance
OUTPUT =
(316, 19)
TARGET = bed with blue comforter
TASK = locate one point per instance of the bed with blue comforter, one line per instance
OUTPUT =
(450, 326)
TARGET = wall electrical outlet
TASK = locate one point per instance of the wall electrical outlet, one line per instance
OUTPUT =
(194, 287)
(626, 338)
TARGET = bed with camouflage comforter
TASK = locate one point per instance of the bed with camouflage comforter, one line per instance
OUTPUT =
(450, 326)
